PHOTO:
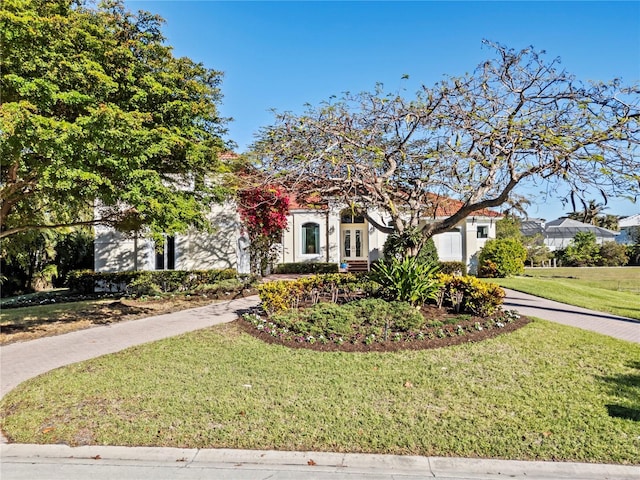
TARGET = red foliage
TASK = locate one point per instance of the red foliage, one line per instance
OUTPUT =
(264, 210)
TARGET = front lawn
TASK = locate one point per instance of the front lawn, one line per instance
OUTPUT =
(543, 392)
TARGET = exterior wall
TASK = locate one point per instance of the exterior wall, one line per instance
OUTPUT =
(217, 250)
(225, 247)
(116, 252)
(461, 244)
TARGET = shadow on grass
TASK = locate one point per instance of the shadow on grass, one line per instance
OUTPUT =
(627, 388)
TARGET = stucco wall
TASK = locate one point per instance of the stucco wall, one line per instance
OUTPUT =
(218, 249)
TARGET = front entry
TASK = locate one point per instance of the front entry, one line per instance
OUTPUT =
(354, 239)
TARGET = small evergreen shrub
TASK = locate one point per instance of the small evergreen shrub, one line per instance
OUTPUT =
(158, 281)
(502, 257)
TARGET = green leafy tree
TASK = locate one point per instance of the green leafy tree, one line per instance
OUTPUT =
(28, 261)
(537, 251)
(501, 258)
(582, 251)
(633, 250)
(97, 111)
(74, 251)
(508, 227)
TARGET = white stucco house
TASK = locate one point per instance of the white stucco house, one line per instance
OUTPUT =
(326, 232)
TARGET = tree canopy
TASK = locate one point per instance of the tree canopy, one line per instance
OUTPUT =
(462, 145)
(96, 110)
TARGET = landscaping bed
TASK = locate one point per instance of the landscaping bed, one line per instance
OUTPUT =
(442, 329)
(368, 313)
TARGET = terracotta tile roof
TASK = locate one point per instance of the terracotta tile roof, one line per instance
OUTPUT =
(312, 202)
(228, 155)
(445, 207)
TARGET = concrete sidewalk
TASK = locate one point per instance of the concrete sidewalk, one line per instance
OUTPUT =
(53, 462)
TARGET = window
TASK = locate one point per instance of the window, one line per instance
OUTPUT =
(310, 238)
(166, 255)
(349, 216)
(483, 231)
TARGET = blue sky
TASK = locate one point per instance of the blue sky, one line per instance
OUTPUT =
(281, 55)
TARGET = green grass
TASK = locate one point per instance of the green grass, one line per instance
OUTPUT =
(47, 313)
(613, 290)
(544, 392)
(618, 279)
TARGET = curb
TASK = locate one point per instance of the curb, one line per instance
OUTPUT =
(310, 462)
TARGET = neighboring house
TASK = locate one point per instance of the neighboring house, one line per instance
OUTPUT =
(325, 232)
(560, 232)
(629, 228)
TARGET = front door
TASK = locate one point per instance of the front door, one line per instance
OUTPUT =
(353, 234)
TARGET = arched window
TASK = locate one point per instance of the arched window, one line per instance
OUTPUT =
(310, 238)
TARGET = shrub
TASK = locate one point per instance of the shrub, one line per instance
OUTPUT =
(307, 267)
(470, 295)
(223, 286)
(453, 268)
(405, 317)
(612, 254)
(501, 258)
(583, 251)
(397, 246)
(407, 280)
(280, 296)
(329, 318)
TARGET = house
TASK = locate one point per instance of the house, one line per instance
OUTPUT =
(629, 229)
(318, 232)
(559, 233)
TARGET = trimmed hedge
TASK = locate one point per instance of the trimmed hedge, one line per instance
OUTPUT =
(145, 282)
(307, 267)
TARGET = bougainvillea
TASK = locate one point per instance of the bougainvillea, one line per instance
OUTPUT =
(264, 213)
(264, 210)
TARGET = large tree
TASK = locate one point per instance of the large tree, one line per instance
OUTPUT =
(97, 111)
(462, 145)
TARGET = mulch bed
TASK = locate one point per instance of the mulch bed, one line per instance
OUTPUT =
(472, 336)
